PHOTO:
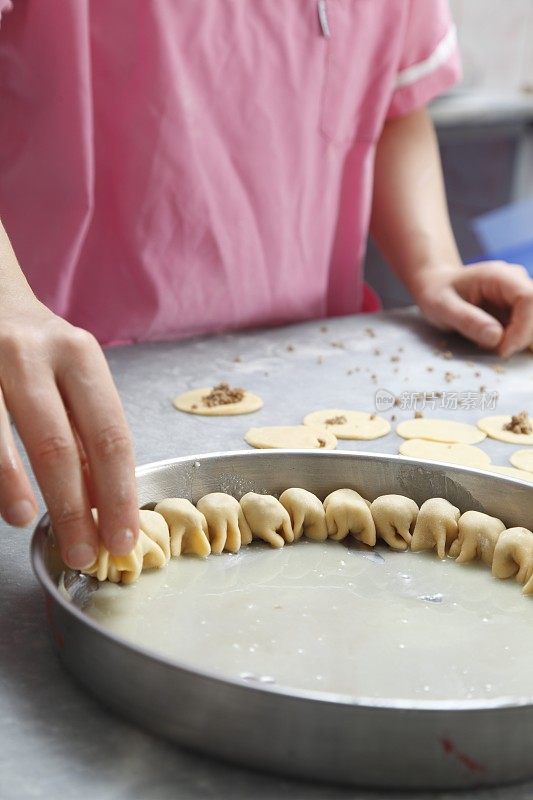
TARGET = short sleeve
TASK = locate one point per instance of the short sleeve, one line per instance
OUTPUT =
(5, 5)
(429, 62)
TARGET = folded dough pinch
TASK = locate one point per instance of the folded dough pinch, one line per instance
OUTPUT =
(436, 526)
(188, 527)
(267, 518)
(307, 514)
(513, 555)
(477, 535)
(226, 523)
(151, 551)
(348, 512)
(395, 517)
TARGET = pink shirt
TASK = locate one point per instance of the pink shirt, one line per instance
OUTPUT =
(171, 167)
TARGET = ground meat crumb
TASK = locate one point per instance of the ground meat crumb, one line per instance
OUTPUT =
(397, 402)
(338, 420)
(340, 345)
(370, 332)
(291, 348)
(482, 388)
(395, 359)
(447, 354)
(372, 416)
(222, 395)
(418, 415)
(450, 376)
(321, 442)
(430, 369)
(477, 374)
(377, 351)
(520, 423)
(237, 359)
(194, 406)
(393, 418)
(498, 368)
(324, 329)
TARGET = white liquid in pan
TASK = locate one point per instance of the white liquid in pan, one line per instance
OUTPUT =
(331, 618)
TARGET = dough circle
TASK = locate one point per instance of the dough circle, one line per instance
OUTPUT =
(440, 430)
(522, 459)
(465, 454)
(358, 425)
(511, 472)
(298, 437)
(493, 427)
(191, 403)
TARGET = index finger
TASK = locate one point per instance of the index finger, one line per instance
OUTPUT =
(87, 386)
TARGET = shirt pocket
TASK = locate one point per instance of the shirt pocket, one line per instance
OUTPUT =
(359, 67)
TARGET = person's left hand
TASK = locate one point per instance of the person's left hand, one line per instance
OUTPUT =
(490, 302)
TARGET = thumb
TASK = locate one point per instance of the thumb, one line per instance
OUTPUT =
(471, 321)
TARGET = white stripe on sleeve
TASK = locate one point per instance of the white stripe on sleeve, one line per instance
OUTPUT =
(439, 56)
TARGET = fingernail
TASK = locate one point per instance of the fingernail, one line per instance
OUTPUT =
(122, 543)
(20, 513)
(490, 335)
(81, 556)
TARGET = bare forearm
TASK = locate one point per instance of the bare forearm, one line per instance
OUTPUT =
(12, 281)
(490, 302)
(410, 221)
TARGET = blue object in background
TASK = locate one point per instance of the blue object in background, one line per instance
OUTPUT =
(507, 233)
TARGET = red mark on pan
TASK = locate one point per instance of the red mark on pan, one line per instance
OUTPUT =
(468, 762)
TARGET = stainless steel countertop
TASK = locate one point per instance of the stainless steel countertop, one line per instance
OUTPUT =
(55, 740)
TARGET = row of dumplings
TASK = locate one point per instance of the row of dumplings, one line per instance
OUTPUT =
(219, 522)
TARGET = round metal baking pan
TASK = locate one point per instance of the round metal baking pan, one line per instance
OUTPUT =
(321, 736)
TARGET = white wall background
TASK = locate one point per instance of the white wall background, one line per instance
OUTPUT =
(496, 38)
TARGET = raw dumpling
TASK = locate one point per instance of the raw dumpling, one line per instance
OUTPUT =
(477, 534)
(528, 587)
(394, 517)
(267, 518)
(188, 527)
(348, 512)
(307, 514)
(513, 555)
(226, 524)
(436, 526)
(152, 550)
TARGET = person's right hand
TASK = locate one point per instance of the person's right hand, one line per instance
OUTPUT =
(55, 383)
